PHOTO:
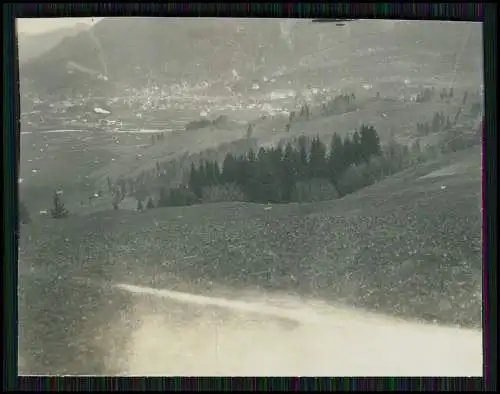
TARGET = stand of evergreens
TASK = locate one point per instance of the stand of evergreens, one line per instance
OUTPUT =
(300, 171)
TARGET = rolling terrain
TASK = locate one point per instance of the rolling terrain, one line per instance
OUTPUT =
(364, 244)
(405, 248)
(182, 290)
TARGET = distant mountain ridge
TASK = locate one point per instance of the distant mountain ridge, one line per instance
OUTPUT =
(33, 45)
(132, 51)
(117, 53)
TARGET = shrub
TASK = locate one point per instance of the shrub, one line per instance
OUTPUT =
(318, 189)
(198, 124)
(221, 193)
(181, 196)
(59, 211)
(356, 177)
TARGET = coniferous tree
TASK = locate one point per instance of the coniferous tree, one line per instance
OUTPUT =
(348, 151)
(435, 123)
(58, 211)
(317, 160)
(356, 148)
(163, 200)
(229, 169)
(24, 216)
(303, 157)
(110, 184)
(371, 139)
(289, 172)
(464, 100)
(336, 160)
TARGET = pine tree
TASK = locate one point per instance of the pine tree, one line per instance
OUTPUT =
(371, 141)
(357, 148)
(289, 172)
(140, 205)
(435, 123)
(110, 184)
(348, 151)
(162, 200)
(24, 216)
(59, 211)
(317, 161)
(229, 169)
(194, 182)
(303, 157)
(336, 162)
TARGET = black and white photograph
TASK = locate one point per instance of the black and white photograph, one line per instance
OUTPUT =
(250, 197)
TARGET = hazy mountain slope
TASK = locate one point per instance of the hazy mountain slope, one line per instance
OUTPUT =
(130, 50)
(33, 45)
(136, 51)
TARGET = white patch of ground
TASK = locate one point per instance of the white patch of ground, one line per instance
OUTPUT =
(318, 340)
(450, 170)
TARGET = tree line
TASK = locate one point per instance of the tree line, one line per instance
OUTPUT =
(279, 174)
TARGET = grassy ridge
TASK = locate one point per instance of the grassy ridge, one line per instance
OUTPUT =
(403, 246)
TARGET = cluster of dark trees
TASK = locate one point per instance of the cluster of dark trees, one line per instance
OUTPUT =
(426, 95)
(446, 93)
(272, 174)
(339, 104)
(201, 123)
(439, 122)
(157, 137)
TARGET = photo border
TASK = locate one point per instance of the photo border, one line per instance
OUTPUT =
(477, 12)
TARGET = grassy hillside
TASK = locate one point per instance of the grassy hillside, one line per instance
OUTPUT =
(406, 246)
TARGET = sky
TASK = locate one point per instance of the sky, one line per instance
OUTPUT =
(43, 25)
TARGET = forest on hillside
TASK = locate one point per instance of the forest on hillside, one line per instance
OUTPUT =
(303, 170)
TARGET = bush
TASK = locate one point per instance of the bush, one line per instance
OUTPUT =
(150, 204)
(314, 190)
(198, 124)
(375, 168)
(179, 197)
(396, 158)
(222, 193)
(356, 177)
(220, 121)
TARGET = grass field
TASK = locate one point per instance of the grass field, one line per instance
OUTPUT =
(405, 246)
